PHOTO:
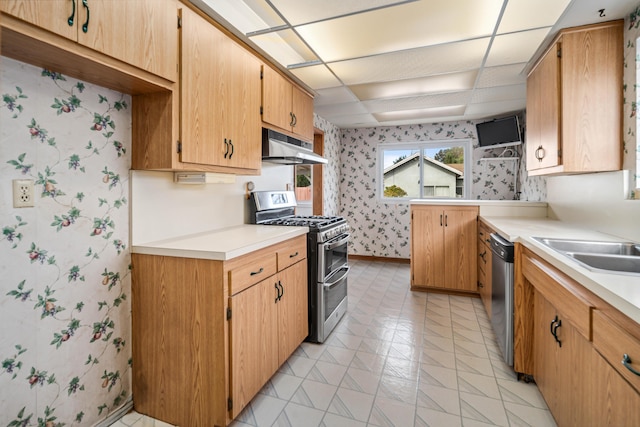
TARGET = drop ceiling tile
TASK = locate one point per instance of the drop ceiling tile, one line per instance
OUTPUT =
(316, 77)
(493, 109)
(359, 120)
(453, 82)
(417, 102)
(499, 93)
(335, 110)
(304, 11)
(285, 47)
(502, 75)
(335, 95)
(424, 113)
(406, 26)
(246, 16)
(515, 47)
(526, 14)
(414, 63)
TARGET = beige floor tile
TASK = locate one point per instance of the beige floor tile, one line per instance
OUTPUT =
(314, 394)
(361, 380)
(438, 399)
(426, 417)
(391, 413)
(351, 404)
(295, 415)
(527, 416)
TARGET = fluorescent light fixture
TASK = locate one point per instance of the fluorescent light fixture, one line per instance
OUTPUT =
(425, 113)
(285, 47)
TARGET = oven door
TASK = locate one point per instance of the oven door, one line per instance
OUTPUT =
(332, 256)
(333, 297)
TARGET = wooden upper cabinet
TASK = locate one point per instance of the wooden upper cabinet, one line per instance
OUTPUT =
(286, 106)
(220, 93)
(57, 16)
(142, 33)
(574, 102)
(443, 247)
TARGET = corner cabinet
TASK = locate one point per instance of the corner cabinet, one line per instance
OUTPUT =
(286, 106)
(574, 102)
(485, 255)
(443, 247)
(210, 122)
(207, 335)
(141, 33)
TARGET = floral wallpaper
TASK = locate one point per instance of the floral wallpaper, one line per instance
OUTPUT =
(331, 171)
(383, 230)
(631, 159)
(65, 288)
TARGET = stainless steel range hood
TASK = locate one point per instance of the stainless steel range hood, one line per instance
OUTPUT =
(285, 150)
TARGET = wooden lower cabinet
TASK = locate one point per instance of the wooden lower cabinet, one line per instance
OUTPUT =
(485, 277)
(205, 339)
(443, 247)
(268, 322)
(578, 342)
(559, 364)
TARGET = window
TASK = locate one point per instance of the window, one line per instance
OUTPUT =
(421, 170)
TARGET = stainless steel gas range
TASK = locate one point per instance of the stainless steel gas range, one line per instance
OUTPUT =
(327, 258)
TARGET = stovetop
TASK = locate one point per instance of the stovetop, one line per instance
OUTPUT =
(313, 222)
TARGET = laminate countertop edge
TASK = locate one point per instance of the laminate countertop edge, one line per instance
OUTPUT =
(222, 244)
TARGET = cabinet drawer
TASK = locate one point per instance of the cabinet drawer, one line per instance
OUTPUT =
(613, 343)
(294, 251)
(558, 290)
(254, 270)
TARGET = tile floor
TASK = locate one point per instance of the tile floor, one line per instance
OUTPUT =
(398, 358)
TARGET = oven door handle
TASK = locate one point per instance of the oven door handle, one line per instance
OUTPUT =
(332, 245)
(330, 285)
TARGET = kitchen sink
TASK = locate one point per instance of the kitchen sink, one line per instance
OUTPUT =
(615, 257)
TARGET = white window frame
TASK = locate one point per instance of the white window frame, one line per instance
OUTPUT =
(421, 145)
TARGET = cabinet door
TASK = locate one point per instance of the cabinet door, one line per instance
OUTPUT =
(242, 126)
(427, 244)
(460, 234)
(143, 33)
(203, 91)
(613, 401)
(57, 16)
(543, 112)
(293, 321)
(253, 335)
(302, 106)
(561, 370)
(277, 94)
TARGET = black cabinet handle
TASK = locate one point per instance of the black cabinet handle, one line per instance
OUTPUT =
(85, 26)
(72, 17)
(281, 290)
(626, 361)
(226, 148)
(293, 255)
(555, 324)
(275, 285)
(233, 149)
(482, 255)
(253, 273)
(446, 220)
(480, 285)
(292, 122)
(440, 220)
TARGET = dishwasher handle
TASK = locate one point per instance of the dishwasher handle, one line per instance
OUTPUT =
(502, 248)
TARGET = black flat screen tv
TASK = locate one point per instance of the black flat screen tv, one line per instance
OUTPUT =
(499, 132)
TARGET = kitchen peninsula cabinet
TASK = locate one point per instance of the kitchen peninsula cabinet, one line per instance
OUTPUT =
(286, 106)
(208, 334)
(142, 33)
(443, 247)
(574, 102)
(211, 122)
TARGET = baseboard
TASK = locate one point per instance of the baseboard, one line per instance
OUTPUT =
(446, 291)
(117, 414)
(380, 259)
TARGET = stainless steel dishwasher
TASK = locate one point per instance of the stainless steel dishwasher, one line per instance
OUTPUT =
(502, 294)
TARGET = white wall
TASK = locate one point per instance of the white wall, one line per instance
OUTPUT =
(162, 209)
(595, 201)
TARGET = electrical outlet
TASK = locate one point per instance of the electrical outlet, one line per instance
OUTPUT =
(22, 193)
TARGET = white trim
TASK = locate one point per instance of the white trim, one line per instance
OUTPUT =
(117, 414)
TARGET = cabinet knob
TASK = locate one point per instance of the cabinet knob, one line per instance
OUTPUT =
(540, 153)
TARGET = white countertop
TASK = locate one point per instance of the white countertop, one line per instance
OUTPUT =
(620, 290)
(467, 202)
(221, 245)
